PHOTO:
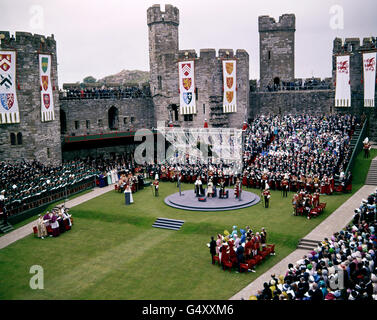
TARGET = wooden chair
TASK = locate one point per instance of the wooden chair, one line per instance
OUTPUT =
(227, 264)
(271, 248)
(216, 258)
(244, 267)
(35, 231)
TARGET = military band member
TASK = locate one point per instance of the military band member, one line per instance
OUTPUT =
(156, 187)
(267, 196)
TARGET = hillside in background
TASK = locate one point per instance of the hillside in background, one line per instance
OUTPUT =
(126, 76)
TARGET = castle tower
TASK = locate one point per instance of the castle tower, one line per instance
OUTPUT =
(276, 49)
(163, 59)
(31, 138)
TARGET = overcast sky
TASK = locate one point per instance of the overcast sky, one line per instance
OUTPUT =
(100, 38)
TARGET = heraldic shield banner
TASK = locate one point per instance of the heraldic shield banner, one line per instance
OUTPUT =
(9, 112)
(186, 87)
(230, 85)
(369, 67)
(47, 101)
(343, 88)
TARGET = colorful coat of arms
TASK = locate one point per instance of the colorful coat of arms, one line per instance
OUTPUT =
(186, 82)
(186, 68)
(46, 100)
(229, 67)
(7, 100)
(5, 61)
(229, 82)
(229, 96)
(187, 97)
(45, 82)
(44, 64)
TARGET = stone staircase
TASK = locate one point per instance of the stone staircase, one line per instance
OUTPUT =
(353, 142)
(5, 227)
(308, 244)
(166, 223)
(372, 173)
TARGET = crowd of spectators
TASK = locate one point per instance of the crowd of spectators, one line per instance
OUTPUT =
(27, 185)
(309, 151)
(233, 249)
(104, 93)
(308, 84)
(340, 268)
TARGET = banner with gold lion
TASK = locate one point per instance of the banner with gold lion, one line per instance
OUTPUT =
(187, 96)
(47, 101)
(230, 85)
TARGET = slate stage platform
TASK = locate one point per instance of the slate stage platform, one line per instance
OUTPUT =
(188, 201)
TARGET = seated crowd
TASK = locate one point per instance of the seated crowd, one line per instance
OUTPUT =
(311, 150)
(308, 84)
(104, 93)
(243, 251)
(340, 268)
(31, 184)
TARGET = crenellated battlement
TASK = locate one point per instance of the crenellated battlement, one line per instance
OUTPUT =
(287, 22)
(21, 39)
(352, 45)
(170, 15)
(209, 53)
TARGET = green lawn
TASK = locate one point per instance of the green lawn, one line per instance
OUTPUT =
(112, 252)
(49, 207)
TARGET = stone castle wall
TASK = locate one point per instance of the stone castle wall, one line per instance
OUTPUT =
(164, 56)
(40, 140)
(292, 102)
(133, 114)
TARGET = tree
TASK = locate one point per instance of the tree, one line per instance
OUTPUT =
(89, 79)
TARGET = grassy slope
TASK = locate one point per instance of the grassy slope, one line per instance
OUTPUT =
(113, 253)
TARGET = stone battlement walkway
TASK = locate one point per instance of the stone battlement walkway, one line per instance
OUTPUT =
(27, 229)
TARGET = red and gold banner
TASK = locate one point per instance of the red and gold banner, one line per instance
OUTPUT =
(230, 85)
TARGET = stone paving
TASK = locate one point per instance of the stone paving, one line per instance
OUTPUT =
(334, 223)
(28, 228)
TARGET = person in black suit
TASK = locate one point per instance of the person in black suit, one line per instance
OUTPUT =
(212, 249)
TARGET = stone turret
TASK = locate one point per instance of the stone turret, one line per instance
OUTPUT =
(276, 49)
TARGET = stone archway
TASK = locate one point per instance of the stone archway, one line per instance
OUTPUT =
(113, 115)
